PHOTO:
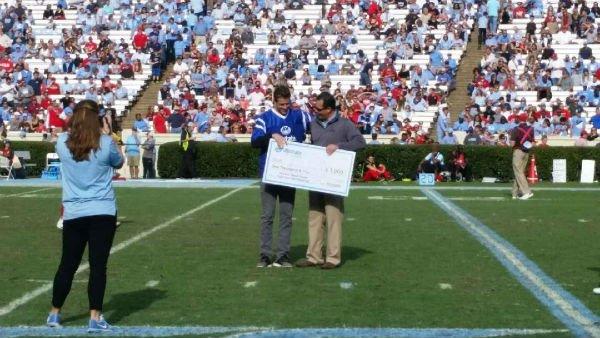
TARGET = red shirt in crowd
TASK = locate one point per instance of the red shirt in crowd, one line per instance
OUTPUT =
(481, 82)
(373, 8)
(140, 40)
(159, 124)
(6, 64)
(53, 88)
(543, 113)
(126, 66)
(389, 72)
(53, 117)
(90, 47)
(519, 12)
(213, 59)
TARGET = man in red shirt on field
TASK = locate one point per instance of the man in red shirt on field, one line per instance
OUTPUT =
(140, 40)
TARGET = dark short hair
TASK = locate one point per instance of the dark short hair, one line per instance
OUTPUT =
(328, 100)
(281, 92)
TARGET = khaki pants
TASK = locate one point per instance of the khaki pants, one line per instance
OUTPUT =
(325, 210)
(519, 163)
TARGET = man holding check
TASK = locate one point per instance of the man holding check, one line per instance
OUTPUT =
(333, 132)
(282, 124)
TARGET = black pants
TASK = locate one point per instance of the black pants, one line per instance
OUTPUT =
(482, 36)
(455, 170)
(97, 231)
(170, 50)
(148, 167)
(188, 169)
(430, 168)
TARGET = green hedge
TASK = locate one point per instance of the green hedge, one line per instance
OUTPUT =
(219, 160)
(38, 151)
(213, 160)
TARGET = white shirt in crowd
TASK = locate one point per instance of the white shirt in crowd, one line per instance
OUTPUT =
(179, 68)
(256, 98)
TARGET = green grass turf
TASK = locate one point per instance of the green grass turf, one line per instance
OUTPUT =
(557, 230)
(396, 253)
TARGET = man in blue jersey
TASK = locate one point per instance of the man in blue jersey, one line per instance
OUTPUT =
(283, 124)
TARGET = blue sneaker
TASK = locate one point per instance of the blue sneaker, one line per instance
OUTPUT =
(53, 320)
(99, 325)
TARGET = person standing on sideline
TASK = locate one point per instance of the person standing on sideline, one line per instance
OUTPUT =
(148, 156)
(521, 140)
(282, 124)
(334, 132)
(87, 158)
(132, 150)
(188, 145)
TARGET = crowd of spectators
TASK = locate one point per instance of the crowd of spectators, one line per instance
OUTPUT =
(517, 60)
(82, 61)
(223, 82)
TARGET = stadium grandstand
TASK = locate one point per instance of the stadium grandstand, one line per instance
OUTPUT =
(392, 66)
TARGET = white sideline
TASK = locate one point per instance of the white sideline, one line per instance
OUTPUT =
(26, 192)
(28, 296)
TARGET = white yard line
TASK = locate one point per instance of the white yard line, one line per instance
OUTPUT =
(564, 306)
(26, 192)
(28, 296)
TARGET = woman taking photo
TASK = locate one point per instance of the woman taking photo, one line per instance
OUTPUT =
(88, 158)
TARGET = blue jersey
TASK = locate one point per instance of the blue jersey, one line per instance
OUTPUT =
(292, 127)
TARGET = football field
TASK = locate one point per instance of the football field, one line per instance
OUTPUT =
(450, 261)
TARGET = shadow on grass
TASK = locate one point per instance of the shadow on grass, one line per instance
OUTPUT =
(595, 269)
(121, 305)
(349, 253)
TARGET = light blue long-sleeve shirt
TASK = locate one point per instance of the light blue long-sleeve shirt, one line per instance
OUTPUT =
(87, 185)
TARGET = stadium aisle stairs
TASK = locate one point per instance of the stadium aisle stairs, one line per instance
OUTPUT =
(458, 98)
(148, 99)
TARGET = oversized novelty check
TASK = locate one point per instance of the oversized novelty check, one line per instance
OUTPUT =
(306, 166)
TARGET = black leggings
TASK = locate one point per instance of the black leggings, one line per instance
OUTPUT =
(97, 231)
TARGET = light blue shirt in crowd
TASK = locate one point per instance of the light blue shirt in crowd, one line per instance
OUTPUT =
(492, 7)
(87, 185)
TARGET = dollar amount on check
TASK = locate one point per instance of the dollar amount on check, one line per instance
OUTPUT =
(306, 166)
